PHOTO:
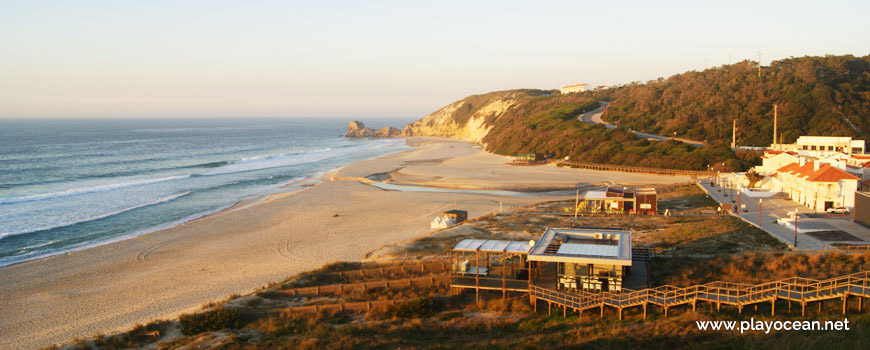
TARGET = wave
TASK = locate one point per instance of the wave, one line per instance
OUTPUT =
(276, 161)
(209, 165)
(95, 217)
(37, 245)
(89, 189)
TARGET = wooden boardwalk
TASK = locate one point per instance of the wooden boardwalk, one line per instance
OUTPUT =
(633, 169)
(795, 289)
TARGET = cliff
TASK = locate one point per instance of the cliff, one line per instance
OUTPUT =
(468, 119)
(359, 129)
(471, 118)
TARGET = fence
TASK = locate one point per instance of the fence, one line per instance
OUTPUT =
(433, 266)
(857, 248)
(596, 213)
(633, 169)
(335, 289)
(358, 306)
(794, 289)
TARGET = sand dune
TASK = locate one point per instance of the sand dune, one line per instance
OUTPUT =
(165, 273)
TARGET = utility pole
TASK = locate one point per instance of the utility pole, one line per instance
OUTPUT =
(775, 147)
(734, 134)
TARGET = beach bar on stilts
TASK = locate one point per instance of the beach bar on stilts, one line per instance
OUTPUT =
(480, 264)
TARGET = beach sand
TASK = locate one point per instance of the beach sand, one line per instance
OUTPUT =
(165, 273)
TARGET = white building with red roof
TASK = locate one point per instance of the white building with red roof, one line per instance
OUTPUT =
(817, 185)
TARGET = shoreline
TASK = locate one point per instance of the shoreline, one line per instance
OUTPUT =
(168, 272)
(241, 203)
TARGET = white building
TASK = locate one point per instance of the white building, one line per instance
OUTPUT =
(771, 161)
(573, 88)
(822, 146)
(816, 185)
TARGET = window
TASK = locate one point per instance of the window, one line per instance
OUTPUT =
(805, 147)
(813, 148)
(830, 148)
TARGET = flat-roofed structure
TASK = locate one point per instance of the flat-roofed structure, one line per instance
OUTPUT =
(620, 200)
(646, 200)
(456, 214)
(820, 146)
(591, 259)
(567, 89)
(486, 264)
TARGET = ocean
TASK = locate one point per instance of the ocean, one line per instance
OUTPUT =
(71, 184)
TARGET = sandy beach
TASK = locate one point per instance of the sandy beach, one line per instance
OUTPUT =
(165, 273)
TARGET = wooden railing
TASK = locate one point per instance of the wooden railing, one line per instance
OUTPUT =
(431, 266)
(337, 289)
(633, 169)
(356, 306)
(802, 290)
(597, 213)
(863, 248)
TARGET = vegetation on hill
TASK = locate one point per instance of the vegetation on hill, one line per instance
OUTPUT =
(549, 124)
(827, 95)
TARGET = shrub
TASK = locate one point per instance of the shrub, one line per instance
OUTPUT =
(213, 320)
(421, 307)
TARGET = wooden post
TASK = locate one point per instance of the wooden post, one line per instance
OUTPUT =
(602, 310)
(666, 311)
(564, 311)
(803, 308)
(503, 282)
(860, 301)
(620, 313)
(694, 303)
(644, 310)
(549, 308)
(477, 277)
(845, 298)
(773, 307)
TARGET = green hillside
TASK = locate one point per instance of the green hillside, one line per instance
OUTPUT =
(827, 95)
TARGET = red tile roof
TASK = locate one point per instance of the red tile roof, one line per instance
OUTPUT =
(788, 168)
(826, 172)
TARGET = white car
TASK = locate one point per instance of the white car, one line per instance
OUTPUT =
(838, 210)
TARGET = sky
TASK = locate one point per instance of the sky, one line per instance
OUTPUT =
(385, 59)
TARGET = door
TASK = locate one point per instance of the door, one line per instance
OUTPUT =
(605, 285)
(828, 205)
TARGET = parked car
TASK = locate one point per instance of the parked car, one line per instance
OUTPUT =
(838, 210)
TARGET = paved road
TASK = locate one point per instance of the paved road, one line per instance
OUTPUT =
(773, 208)
(594, 117)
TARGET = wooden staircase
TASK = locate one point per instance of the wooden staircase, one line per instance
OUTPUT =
(794, 289)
